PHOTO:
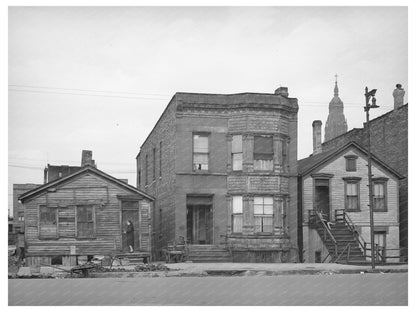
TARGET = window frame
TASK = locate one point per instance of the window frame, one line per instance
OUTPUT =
(383, 182)
(93, 221)
(201, 134)
(271, 154)
(264, 215)
(355, 181)
(54, 221)
(351, 159)
(237, 214)
(234, 153)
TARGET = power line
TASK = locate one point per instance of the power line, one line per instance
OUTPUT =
(88, 90)
(93, 95)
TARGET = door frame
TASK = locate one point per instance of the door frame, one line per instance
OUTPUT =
(322, 176)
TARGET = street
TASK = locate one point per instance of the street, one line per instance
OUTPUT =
(337, 289)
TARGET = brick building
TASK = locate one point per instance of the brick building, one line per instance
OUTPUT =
(389, 142)
(223, 171)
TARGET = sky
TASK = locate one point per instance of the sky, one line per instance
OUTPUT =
(98, 78)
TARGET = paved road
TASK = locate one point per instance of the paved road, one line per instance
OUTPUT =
(340, 289)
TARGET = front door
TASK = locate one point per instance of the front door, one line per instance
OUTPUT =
(322, 197)
(380, 242)
(130, 211)
(199, 224)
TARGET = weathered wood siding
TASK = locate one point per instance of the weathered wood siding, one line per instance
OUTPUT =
(88, 189)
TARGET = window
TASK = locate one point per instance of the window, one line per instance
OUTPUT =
(160, 159)
(140, 178)
(263, 214)
(47, 222)
(21, 216)
(201, 152)
(237, 152)
(263, 153)
(352, 195)
(237, 214)
(146, 179)
(351, 163)
(85, 221)
(154, 164)
(379, 196)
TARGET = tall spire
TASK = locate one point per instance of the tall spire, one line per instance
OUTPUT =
(336, 124)
(336, 91)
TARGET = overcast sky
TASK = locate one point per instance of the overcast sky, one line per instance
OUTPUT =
(99, 78)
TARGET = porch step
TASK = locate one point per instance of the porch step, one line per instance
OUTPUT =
(208, 253)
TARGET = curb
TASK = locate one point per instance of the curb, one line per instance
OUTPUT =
(215, 273)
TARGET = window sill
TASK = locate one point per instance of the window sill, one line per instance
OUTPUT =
(352, 210)
(380, 210)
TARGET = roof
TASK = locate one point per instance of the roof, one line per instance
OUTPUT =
(84, 170)
(307, 165)
(235, 100)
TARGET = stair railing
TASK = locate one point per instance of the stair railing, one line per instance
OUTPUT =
(327, 231)
(348, 247)
(345, 217)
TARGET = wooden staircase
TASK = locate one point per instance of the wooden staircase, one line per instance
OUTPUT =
(347, 248)
(342, 240)
(207, 253)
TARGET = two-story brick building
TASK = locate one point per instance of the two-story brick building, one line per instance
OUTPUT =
(223, 171)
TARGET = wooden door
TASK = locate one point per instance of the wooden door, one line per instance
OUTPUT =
(202, 225)
(322, 197)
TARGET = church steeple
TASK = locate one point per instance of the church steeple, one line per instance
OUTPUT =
(336, 124)
(336, 91)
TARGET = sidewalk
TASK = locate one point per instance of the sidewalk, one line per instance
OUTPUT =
(250, 269)
(225, 269)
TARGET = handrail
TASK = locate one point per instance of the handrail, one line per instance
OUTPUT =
(350, 225)
(327, 230)
(342, 252)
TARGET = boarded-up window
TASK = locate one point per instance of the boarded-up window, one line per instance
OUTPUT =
(200, 152)
(263, 153)
(85, 221)
(47, 222)
(263, 214)
(351, 163)
(237, 152)
(237, 215)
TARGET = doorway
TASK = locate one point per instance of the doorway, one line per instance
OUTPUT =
(199, 220)
(322, 197)
(130, 211)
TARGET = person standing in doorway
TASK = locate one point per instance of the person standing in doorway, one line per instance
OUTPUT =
(130, 235)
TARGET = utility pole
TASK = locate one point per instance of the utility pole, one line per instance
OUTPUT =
(367, 108)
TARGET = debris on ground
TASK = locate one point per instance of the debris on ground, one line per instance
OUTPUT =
(151, 267)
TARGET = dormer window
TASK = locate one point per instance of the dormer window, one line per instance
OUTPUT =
(351, 163)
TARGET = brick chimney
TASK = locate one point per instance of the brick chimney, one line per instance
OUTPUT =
(398, 95)
(317, 136)
(86, 158)
(283, 91)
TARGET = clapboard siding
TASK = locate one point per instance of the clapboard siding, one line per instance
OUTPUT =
(85, 189)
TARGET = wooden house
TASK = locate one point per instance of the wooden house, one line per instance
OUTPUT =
(334, 184)
(84, 214)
